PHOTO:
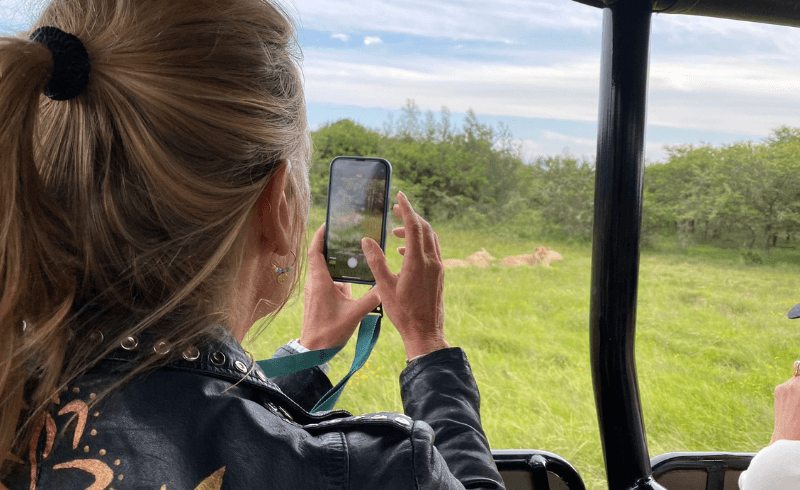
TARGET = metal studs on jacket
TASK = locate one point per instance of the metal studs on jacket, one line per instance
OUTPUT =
(161, 347)
(217, 358)
(129, 343)
(240, 366)
(191, 353)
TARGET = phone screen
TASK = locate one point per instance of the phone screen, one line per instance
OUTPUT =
(357, 208)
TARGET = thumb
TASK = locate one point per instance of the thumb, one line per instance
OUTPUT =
(364, 305)
(376, 260)
(360, 308)
(316, 260)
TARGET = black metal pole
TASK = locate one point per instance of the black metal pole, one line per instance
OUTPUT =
(615, 252)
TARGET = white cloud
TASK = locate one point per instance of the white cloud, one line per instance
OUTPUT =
(740, 75)
(531, 149)
(654, 151)
(521, 21)
(563, 92)
(581, 142)
(737, 95)
(694, 30)
(749, 92)
(449, 19)
(554, 143)
(732, 95)
(706, 74)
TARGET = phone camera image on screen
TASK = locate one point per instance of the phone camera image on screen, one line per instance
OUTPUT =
(356, 209)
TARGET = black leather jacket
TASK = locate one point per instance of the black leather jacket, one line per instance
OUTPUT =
(189, 426)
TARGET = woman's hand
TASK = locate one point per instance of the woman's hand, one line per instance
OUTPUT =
(787, 411)
(413, 298)
(330, 315)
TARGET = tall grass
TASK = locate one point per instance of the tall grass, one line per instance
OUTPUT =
(712, 342)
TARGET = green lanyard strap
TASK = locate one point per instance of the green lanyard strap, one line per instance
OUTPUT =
(368, 333)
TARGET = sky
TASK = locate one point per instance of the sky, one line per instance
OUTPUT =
(534, 66)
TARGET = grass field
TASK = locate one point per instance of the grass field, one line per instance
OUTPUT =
(712, 342)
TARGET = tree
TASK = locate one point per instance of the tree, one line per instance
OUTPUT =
(562, 190)
(744, 192)
(342, 138)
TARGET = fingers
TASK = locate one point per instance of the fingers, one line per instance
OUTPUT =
(316, 258)
(428, 238)
(412, 225)
(401, 233)
(377, 262)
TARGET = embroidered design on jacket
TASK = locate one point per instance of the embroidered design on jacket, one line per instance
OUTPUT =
(103, 472)
(100, 470)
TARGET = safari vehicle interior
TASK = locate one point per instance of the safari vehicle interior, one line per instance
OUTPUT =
(615, 265)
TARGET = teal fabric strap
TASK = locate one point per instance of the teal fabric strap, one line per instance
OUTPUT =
(368, 333)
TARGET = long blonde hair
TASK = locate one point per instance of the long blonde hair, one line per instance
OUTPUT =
(130, 200)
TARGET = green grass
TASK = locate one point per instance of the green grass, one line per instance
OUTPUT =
(712, 342)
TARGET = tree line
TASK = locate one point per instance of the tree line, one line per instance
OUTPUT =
(741, 195)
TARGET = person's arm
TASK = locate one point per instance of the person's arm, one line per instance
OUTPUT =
(450, 449)
(305, 387)
(774, 468)
(437, 445)
(439, 388)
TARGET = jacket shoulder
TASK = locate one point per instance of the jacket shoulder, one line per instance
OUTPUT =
(389, 450)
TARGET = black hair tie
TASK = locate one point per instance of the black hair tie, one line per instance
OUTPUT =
(70, 63)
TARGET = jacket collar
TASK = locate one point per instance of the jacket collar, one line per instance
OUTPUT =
(222, 357)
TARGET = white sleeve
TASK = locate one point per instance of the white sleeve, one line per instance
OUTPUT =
(296, 345)
(776, 467)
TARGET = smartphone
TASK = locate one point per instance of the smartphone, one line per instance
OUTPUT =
(358, 207)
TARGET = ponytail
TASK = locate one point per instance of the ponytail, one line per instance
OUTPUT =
(36, 277)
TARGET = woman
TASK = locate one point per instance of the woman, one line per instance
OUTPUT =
(153, 200)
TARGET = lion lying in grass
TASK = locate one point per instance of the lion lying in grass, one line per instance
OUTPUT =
(542, 256)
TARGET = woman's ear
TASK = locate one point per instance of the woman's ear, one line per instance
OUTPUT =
(272, 219)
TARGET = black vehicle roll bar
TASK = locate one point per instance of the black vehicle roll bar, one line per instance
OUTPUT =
(780, 12)
(615, 246)
(618, 216)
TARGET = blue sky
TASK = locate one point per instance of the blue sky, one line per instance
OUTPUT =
(534, 65)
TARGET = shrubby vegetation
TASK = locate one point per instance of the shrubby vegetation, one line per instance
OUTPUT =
(740, 195)
(443, 169)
